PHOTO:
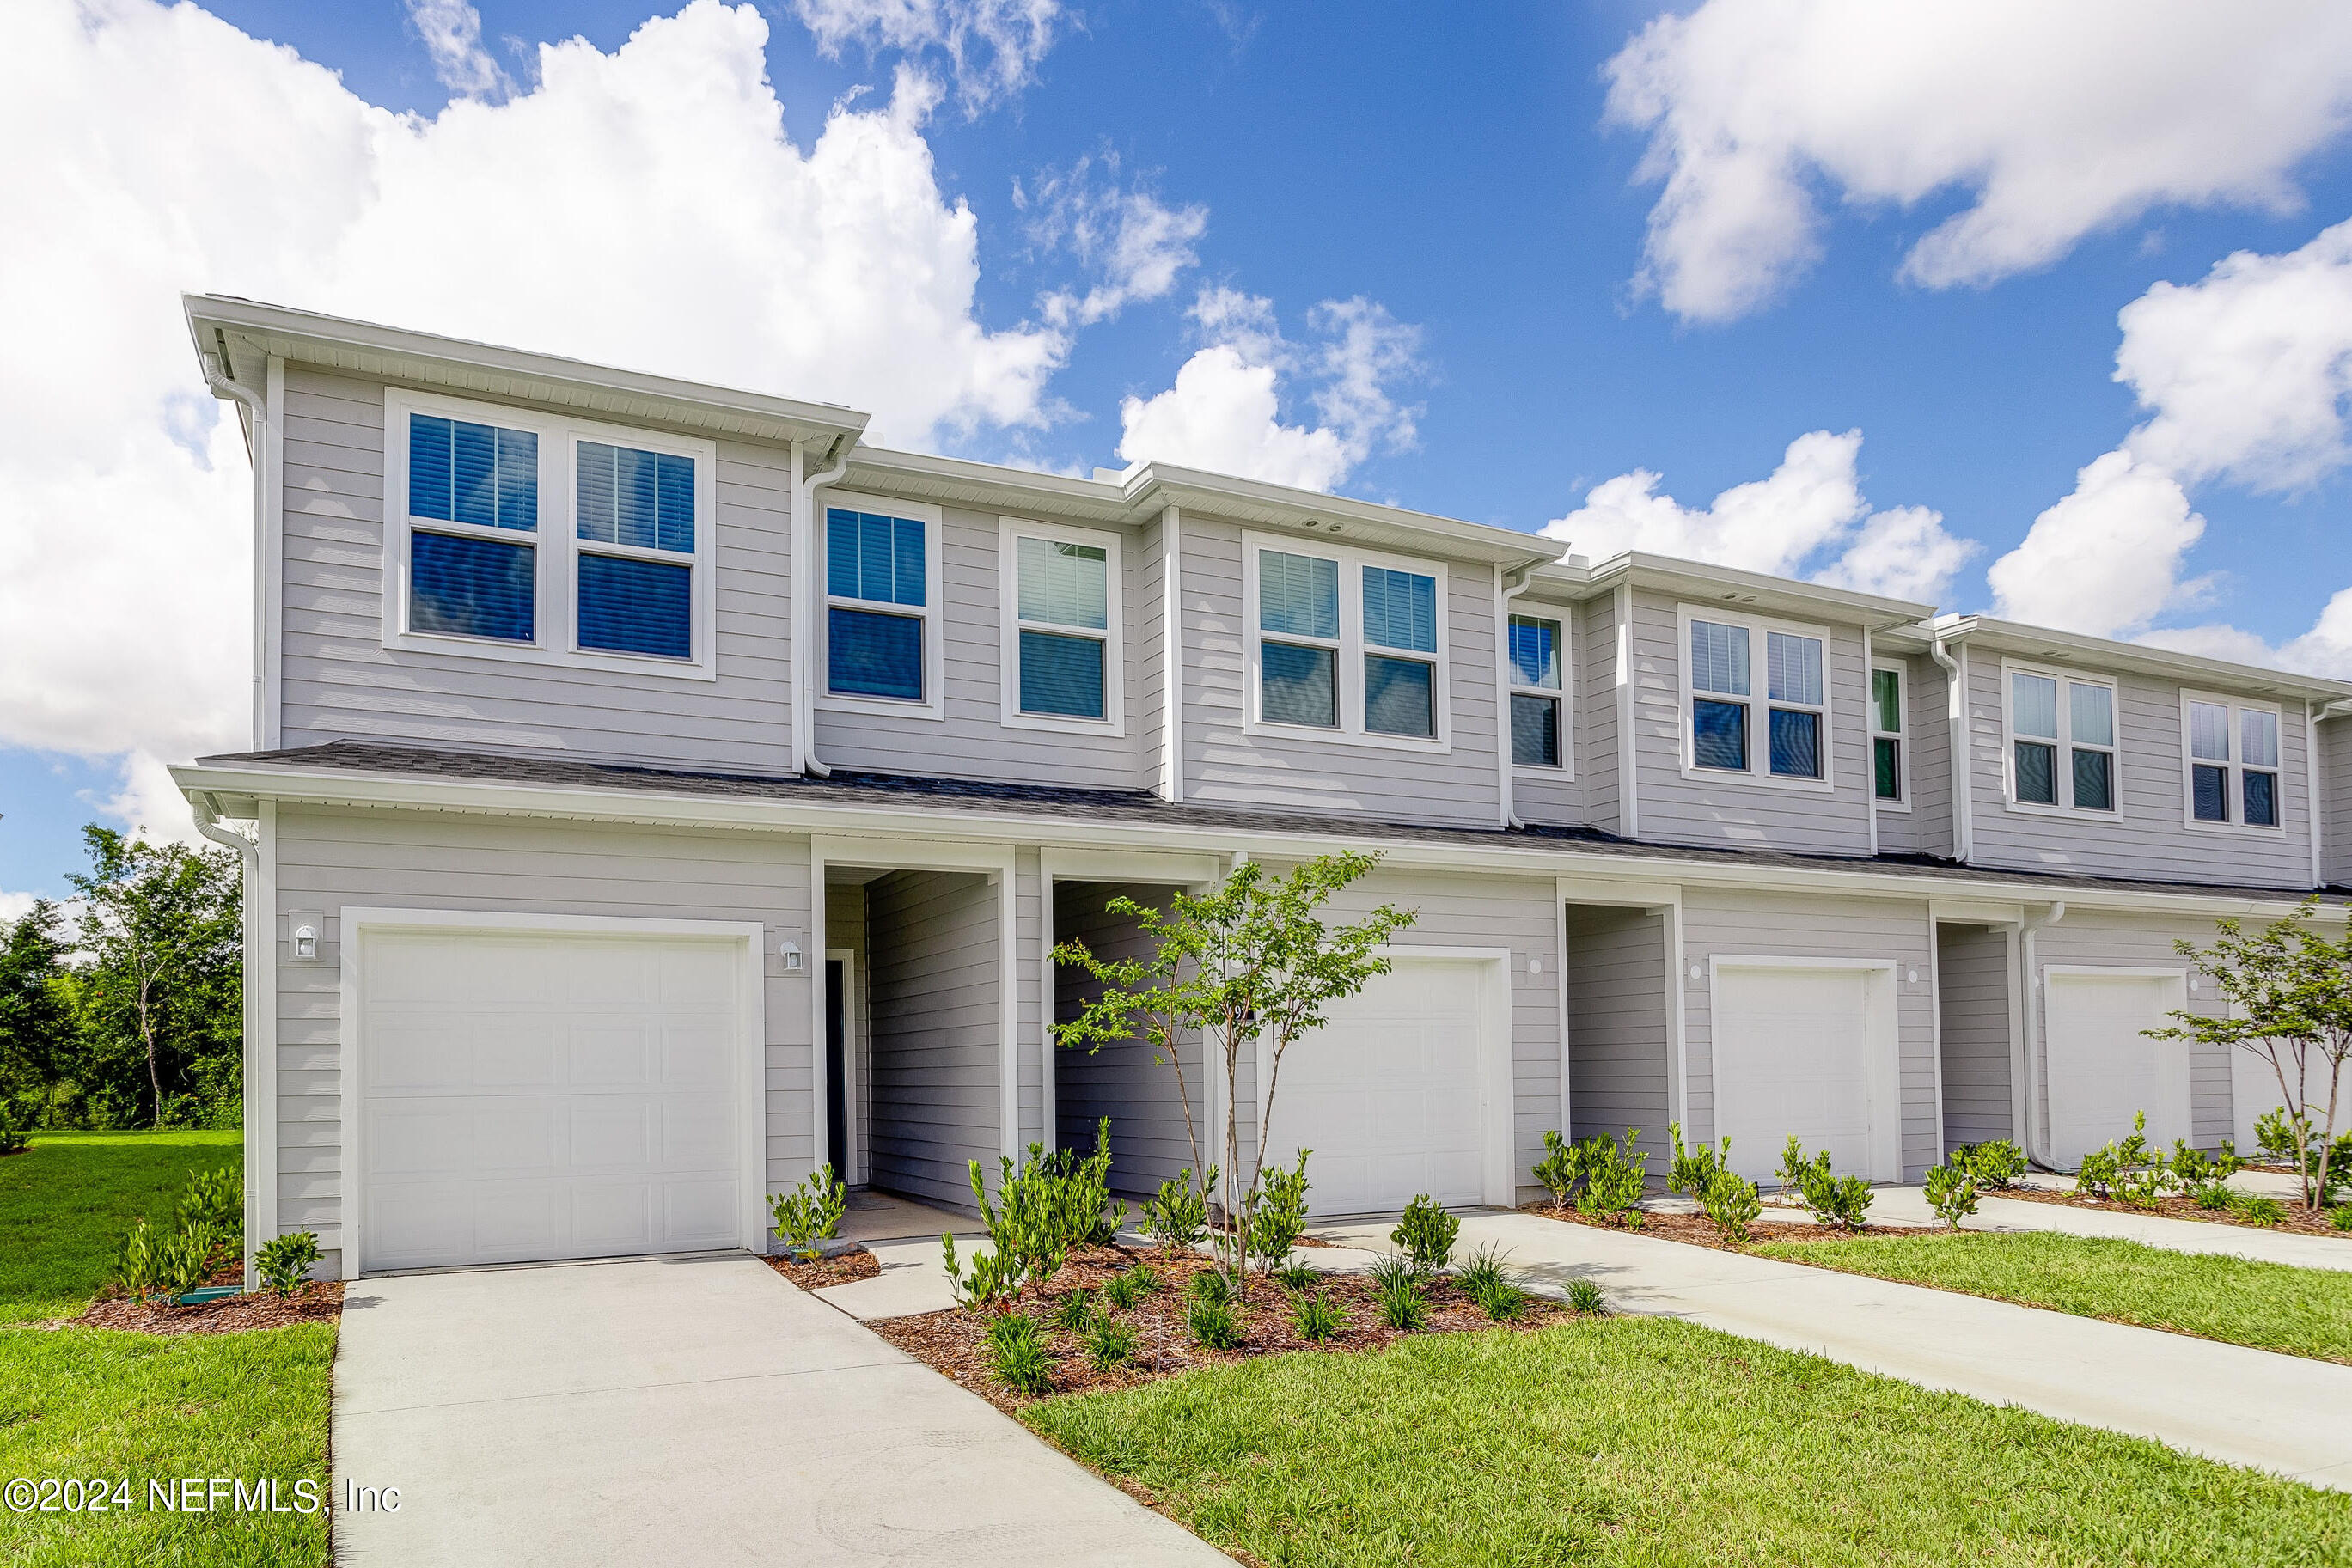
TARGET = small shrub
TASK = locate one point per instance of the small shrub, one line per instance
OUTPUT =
(1123, 1290)
(1147, 1278)
(183, 1258)
(1995, 1163)
(1297, 1278)
(1027, 1223)
(13, 1142)
(1951, 1193)
(1401, 1305)
(1426, 1233)
(136, 1266)
(1091, 1216)
(1586, 1296)
(2212, 1195)
(1213, 1323)
(1561, 1168)
(2195, 1167)
(1177, 1219)
(993, 1280)
(1109, 1343)
(2126, 1169)
(285, 1262)
(812, 1211)
(1075, 1311)
(2340, 1216)
(1393, 1268)
(1278, 1212)
(1482, 1270)
(1502, 1302)
(1017, 1353)
(1840, 1202)
(2257, 1209)
(1613, 1180)
(1211, 1286)
(1730, 1200)
(1693, 1168)
(214, 1200)
(1317, 1317)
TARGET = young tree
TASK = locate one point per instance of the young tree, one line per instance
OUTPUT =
(160, 925)
(1248, 963)
(2292, 988)
(35, 1018)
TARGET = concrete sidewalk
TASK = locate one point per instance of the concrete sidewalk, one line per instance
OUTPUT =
(1909, 1206)
(688, 1410)
(2283, 1413)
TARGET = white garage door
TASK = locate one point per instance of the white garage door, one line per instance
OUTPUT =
(1390, 1095)
(1809, 1052)
(2103, 1071)
(526, 1097)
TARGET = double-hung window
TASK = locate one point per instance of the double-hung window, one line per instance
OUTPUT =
(2062, 741)
(1348, 643)
(2233, 762)
(1061, 656)
(1886, 734)
(1539, 721)
(525, 535)
(1783, 738)
(880, 592)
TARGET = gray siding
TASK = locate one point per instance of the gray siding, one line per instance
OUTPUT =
(417, 860)
(1800, 925)
(2137, 942)
(1148, 573)
(2336, 790)
(2146, 836)
(1972, 1013)
(1620, 1032)
(971, 740)
(1925, 828)
(341, 680)
(934, 1056)
(1596, 737)
(1542, 795)
(1738, 812)
(1149, 1139)
(1226, 765)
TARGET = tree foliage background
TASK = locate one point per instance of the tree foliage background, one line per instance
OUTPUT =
(124, 1007)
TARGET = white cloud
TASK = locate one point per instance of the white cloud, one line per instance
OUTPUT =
(1136, 244)
(451, 31)
(2325, 650)
(1807, 516)
(15, 906)
(2058, 120)
(1224, 411)
(642, 207)
(2106, 560)
(994, 46)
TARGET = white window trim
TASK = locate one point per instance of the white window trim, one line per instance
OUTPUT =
(1902, 737)
(1560, 614)
(556, 542)
(1350, 646)
(2063, 769)
(1759, 771)
(1113, 637)
(2235, 765)
(933, 704)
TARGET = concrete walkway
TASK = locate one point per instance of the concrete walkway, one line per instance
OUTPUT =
(2284, 1414)
(1909, 1206)
(687, 1410)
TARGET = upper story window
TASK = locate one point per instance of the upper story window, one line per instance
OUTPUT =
(1346, 643)
(1887, 736)
(1781, 738)
(2062, 741)
(2233, 762)
(881, 597)
(619, 574)
(1061, 636)
(1539, 720)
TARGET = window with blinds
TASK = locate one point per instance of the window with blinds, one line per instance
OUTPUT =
(634, 513)
(472, 488)
(877, 584)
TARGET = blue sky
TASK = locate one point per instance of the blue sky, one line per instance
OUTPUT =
(1461, 176)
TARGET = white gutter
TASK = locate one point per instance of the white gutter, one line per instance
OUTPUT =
(257, 446)
(260, 1071)
(1962, 765)
(1869, 728)
(806, 600)
(1508, 587)
(2037, 1120)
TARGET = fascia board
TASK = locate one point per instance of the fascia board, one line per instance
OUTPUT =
(653, 808)
(2139, 658)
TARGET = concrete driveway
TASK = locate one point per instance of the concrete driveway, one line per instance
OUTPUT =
(688, 1410)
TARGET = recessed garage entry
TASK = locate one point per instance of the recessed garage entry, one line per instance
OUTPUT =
(2102, 1070)
(1397, 1094)
(1808, 1049)
(535, 1095)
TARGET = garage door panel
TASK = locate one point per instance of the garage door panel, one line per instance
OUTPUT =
(518, 1054)
(694, 1055)
(612, 1055)
(610, 1135)
(414, 1052)
(1793, 1053)
(697, 1213)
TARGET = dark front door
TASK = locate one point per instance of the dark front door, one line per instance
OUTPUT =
(836, 1073)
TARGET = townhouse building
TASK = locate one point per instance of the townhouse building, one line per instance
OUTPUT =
(657, 789)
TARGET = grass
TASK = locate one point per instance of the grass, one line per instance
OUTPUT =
(66, 1202)
(2270, 1306)
(1649, 1441)
(91, 1403)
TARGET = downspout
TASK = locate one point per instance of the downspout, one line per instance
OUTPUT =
(805, 599)
(258, 1226)
(257, 446)
(1956, 718)
(1870, 724)
(2037, 1120)
(1507, 587)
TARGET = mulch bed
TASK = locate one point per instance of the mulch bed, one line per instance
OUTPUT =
(319, 1301)
(955, 1342)
(2181, 1205)
(837, 1270)
(1700, 1231)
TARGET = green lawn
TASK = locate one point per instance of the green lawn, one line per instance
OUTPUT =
(1649, 1441)
(85, 1401)
(2271, 1306)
